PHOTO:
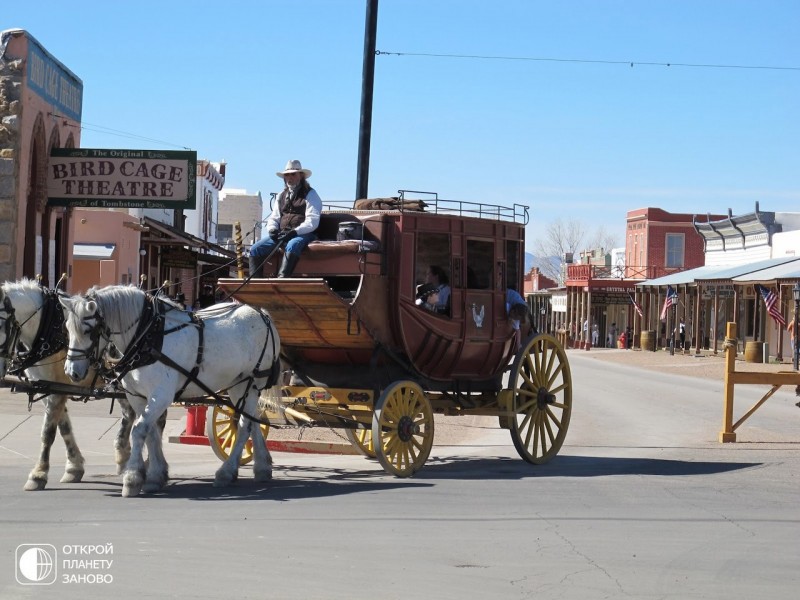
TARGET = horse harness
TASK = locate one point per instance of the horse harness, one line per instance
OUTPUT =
(50, 338)
(146, 349)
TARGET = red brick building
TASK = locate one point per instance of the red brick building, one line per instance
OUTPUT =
(658, 242)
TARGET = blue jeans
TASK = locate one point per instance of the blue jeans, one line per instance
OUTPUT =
(265, 245)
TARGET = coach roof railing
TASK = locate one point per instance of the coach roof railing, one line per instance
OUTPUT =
(408, 200)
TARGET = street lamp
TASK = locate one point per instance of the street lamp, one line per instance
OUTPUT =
(796, 294)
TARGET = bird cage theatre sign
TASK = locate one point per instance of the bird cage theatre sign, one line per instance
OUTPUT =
(122, 178)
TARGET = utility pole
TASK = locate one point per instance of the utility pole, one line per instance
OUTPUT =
(367, 84)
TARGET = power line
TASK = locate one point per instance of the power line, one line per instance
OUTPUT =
(119, 133)
(630, 63)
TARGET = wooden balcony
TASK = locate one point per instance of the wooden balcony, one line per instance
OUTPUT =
(590, 272)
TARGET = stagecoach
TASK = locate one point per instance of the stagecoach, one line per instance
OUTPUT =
(344, 340)
(360, 355)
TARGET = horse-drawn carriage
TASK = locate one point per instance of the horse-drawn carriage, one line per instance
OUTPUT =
(360, 354)
(357, 351)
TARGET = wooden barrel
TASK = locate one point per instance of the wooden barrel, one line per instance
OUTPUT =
(754, 352)
(649, 340)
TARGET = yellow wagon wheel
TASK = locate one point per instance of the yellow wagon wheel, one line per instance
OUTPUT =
(541, 381)
(362, 441)
(222, 425)
(402, 428)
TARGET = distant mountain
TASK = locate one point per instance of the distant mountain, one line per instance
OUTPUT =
(530, 261)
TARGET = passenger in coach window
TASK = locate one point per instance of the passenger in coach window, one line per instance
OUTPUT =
(434, 294)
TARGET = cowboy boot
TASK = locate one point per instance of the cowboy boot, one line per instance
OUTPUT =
(256, 265)
(289, 262)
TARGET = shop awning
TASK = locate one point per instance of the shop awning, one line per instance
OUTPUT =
(167, 234)
(92, 251)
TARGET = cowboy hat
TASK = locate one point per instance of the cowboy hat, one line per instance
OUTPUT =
(294, 166)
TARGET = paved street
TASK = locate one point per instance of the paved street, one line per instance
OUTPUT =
(642, 502)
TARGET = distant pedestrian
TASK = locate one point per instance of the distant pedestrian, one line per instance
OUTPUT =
(595, 335)
(612, 335)
(682, 333)
(629, 337)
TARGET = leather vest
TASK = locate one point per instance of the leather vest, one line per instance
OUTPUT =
(293, 210)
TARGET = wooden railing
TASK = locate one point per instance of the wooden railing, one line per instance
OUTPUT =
(589, 272)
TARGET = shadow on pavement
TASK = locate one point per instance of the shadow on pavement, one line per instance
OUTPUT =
(571, 466)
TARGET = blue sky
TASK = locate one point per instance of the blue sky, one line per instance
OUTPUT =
(255, 83)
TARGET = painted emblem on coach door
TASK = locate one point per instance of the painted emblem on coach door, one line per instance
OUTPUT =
(477, 316)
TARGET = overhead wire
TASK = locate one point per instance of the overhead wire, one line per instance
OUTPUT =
(630, 63)
(117, 132)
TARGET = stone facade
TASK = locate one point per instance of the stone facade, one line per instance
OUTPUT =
(10, 106)
(40, 109)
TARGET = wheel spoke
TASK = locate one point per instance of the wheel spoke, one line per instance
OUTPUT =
(538, 430)
(403, 421)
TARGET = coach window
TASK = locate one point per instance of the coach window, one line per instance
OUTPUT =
(432, 249)
(480, 258)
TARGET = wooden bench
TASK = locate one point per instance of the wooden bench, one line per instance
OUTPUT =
(330, 256)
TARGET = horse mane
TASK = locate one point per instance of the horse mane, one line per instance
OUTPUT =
(114, 302)
(24, 290)
(23, 285)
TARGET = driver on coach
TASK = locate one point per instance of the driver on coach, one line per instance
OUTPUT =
(292, 223)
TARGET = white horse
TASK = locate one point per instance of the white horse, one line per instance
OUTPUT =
(33, 344)
(168, 353)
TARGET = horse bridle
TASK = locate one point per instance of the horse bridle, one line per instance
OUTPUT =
(97, 329)
(12, 329)
(50, 338)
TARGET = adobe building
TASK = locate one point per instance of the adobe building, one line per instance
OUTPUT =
(41, 104)
(236, 205)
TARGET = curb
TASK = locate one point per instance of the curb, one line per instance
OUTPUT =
(295, 446)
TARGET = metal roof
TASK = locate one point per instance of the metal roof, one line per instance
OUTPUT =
(745, 269)
(682, 277)
(787, 270)
(729, 272)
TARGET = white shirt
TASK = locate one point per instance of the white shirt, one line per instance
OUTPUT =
(313, 210)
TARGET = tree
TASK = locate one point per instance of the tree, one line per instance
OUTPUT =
(603, 239)
(560, 238)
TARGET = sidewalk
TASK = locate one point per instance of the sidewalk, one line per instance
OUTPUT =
(706, 364)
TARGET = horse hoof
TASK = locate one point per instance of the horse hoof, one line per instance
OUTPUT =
(261, 476)
(154, 485)
(72, 477)
(222, 479)
(34, 485)
(130, 491)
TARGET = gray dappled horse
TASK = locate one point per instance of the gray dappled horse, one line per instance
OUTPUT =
(33, 346)
(168, 353)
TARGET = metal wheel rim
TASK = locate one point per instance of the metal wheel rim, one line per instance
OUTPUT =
(542, 384)
(222, 428)
(402, 424)
(361, 439)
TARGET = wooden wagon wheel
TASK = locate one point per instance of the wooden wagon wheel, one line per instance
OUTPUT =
(402, 428)
(222, 425)
(361, 439)
(541, 381)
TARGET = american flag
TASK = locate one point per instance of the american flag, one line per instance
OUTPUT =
(636, 306)
(771, 301)
(672, 298)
